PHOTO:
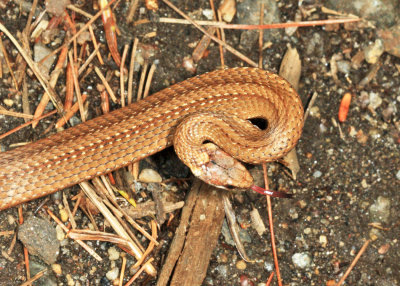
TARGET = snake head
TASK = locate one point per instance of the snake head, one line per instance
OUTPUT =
(221, 170)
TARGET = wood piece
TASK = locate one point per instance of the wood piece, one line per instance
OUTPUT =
(204, 208)
(291, 70)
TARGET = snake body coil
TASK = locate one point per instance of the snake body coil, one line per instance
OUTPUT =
(221, 102)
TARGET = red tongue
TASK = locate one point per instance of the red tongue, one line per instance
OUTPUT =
(270, 192)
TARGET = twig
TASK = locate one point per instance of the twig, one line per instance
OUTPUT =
(270, 279)
(76, 85)
(5, 54)
(132, 69)
(26, 254)
(89, 60)
(26, 124)
(90, 22)
(228, 47)
(34, 278)
(151, 244)
(362, 250)
(106, 85)
(30, 17)
(221, 50)
(123, 267)
(263, 26)
(132, 10)
(80, 242)
(45, 84)
(310, 104)
(114, 223)
(148, 80)
(74, 108)
(122, 75)
(53, 81)
(271, 227)
(15, 114)
(148, 262)
(96, 46)
(222, 37)
(141, 81)
(261, 36)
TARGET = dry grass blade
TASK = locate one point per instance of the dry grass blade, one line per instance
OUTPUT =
(271, 227)
(134, 277)
(15, 114)
(76, 85)
(4, 51)
(148, 80)
(131, 70)
(45, 84)
(106, 85)
(4, 135)
(83, 234)
(234, 228)
(354, 262)
(80, 242)
(263, 26)
(122, 75)
(34, 278)
(225, 45)
(123, 267)
(90, 193)
(60, 123)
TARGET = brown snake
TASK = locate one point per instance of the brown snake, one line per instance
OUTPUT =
(214, 107)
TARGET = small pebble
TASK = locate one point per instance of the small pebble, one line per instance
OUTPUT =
(398, 175)
(8, 102)
(384, 248)
(293, 214)
(269, 266)
(302, 204)
(361, 137)
(11, 219)
(113, 253)
(374, 101)
(374, 51)
(307, 230)
(208, 13)
(301, 260)
(323, 240)
(56, 269)
(324, 221)
(112, 274)
(70, 281)
(63, 215)
(379, 211)
(364, 184)
(60, 234)
(241, 265)
(314, 112)
(149, 176)
(343, 66)
(317, 174)
(374, 234)
(222, 270)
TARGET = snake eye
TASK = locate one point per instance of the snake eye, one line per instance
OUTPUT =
(229, 187)
(259, 122)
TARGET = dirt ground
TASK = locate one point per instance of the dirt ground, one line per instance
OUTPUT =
(345, 167)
